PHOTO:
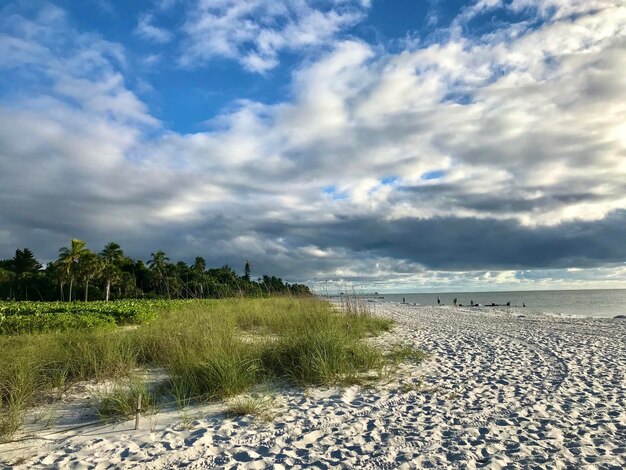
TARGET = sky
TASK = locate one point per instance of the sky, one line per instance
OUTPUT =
(389, 145)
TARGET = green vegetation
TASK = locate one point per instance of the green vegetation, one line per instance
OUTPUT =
(16, 324)
(121, 400)
(110, 274)
(257, 406)
(209, 350)
(36, 317)
(406, 353)
(321, 356)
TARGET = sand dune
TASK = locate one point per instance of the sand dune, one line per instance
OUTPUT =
(498, 391)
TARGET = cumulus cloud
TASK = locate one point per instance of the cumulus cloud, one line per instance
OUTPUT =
(66, 147)
(254, 32)
(434, 166)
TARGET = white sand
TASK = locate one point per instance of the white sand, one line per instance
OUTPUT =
(499, 391)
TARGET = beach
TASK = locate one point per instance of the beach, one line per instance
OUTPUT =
(500, 389)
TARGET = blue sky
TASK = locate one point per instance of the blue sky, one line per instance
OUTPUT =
(406, 145)
(186, 96)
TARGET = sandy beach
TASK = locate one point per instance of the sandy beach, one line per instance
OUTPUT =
(499, 390)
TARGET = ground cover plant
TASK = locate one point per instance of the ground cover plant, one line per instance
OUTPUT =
(34, 317)
(209, 350)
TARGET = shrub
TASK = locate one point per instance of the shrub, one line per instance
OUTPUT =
(44, 322)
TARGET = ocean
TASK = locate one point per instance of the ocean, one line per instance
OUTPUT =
(601, 303)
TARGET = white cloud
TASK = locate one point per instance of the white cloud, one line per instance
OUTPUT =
(255, 32)
(563, 8)
(525, 128)
(555, 9)
(147, 30)
(107, 96)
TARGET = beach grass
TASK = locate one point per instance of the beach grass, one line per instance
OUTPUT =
(209, 351)
(122, 399)
(406, 353)
(257, 406)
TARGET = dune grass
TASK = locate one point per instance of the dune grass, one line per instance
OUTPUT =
(405, 353)
(210, 351)
(34, 367)
(256, 406)
(121, 400)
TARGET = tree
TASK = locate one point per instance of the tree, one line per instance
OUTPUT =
(119, 276)
(197, 272)
(56, 271)
(178, 280)
(112, 257)
(247, 269)
(6, 276)
(142, 276)
(127, 285)
(89, 267)
(70, 257)
(24, 266)
(158, 265)
(199, 265)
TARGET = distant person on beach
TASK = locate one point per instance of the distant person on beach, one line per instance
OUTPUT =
(454, 301)
(523, 304)
(508, 304)
(438, 301)
(403, 300)
(472, 303)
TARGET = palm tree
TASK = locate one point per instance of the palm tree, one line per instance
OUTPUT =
(56, 270)
(69, 257)
(89, 267)
(158, 265)
(112, 257)
(199, 265)
(198, 269)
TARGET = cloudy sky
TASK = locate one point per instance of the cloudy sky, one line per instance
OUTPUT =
(407, 145)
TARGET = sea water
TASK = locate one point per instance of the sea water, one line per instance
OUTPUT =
(605, 303)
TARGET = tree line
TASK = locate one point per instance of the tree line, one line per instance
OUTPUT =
(79, 273)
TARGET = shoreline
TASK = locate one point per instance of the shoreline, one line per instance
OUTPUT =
(513, 310)
(498, 390)
(530, 309)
